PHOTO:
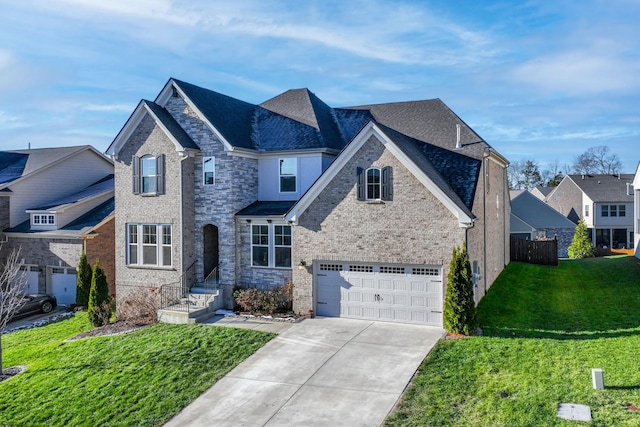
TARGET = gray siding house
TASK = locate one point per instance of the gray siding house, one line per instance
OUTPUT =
(603, 202)
(358, 207)
(52, 201)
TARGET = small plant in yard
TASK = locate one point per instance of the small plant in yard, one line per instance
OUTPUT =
(99, 301)
(83, 281)
(581, 245)
(137, 304)
(459, 305)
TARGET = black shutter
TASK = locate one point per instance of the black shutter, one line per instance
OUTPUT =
(387, 189)
(135, 162)
(160, 174)
(361, 184)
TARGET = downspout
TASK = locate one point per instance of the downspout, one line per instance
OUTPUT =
(485, 163)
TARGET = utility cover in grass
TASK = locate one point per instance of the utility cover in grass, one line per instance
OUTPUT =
(574, 411)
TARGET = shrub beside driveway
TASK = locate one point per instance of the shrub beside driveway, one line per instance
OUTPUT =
(141, 378)
(545, 328)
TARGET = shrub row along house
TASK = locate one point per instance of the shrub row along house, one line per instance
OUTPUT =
(54, 204)
(359, 207)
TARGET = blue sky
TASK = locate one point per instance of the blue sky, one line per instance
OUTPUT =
(542, 80)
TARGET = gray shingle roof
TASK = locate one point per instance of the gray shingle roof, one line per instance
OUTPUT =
(17, 163)
(230, 116)
(11, 165)
(605, 188)
(172, 126)
(537, 213)
(266, 208)
(105, 184)
(454, 173)
(74, 228)
(429, 121)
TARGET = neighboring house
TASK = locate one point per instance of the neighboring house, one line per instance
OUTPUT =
(532, 219)
(636, 210)
(542, 192)
(603, 202)
(55, 203)
(359, 207)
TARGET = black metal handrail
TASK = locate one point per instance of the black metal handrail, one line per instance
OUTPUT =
(175, 295)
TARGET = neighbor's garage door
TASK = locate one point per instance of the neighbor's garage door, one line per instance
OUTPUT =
(396, 293)
(63, 284)
(30, 273)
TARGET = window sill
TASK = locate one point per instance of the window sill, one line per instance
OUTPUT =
(151, 267)
(264, 267)
(375, 202)
(149, 194)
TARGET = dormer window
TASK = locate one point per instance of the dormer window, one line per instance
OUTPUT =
(40, 220)
(288, 173)
(148, 175)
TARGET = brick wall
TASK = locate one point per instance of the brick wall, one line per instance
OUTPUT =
(414, 228)
(567, 199)
(161, 209)
(102, 246)
(4, 213)
(47, 252)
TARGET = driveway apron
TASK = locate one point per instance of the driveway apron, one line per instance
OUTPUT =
(319, 372)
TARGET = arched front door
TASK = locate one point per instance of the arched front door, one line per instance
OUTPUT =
(210, 250)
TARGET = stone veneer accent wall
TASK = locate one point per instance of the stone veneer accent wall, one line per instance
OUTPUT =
(414, 228)
(5, 210)
(235, 187)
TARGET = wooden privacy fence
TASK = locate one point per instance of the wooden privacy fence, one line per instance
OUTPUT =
(543, 252)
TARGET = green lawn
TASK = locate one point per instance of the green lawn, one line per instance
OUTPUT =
(137, 379)
(544, 329)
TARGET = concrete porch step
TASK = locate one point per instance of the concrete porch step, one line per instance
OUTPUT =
(169, 315)
(198, 306)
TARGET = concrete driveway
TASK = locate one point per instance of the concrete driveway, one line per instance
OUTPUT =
(319, 372)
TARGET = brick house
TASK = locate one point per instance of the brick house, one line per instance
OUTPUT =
(359, 207)
(54, 204)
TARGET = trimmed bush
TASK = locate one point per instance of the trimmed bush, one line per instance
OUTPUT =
(276, 300)
(99, 301)
(83, 281)
(581, 245)
(459, 305)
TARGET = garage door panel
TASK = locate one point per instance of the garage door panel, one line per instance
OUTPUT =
(390, 293)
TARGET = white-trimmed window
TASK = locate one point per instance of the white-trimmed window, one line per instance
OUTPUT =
(288, 175)
(148, 174)
(149, 244)
(271, 245)
(43, 219)
(586, 210)
(209, 170)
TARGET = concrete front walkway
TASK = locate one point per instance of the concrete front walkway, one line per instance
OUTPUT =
(319, 372)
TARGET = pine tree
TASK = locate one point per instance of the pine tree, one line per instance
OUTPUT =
(99, 302)
(581, 245)
(83, 281)
(459, 305)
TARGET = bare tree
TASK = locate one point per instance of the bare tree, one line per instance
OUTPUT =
(552, 175)
(597, 160)
(523, 175)
(12, 286)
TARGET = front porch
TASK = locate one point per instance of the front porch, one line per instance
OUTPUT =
(189, 301)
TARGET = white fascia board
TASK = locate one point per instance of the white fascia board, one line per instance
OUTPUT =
(127, 130)
(186, 152)
(65, 206)
(372, 130)
(497, 157)
(636, 179)
(166, 94)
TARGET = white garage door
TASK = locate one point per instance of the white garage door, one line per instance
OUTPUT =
(30, 273)
(395, 293)
(63, 284)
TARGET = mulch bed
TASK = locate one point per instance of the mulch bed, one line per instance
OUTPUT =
(110, 329)
(11, 372)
